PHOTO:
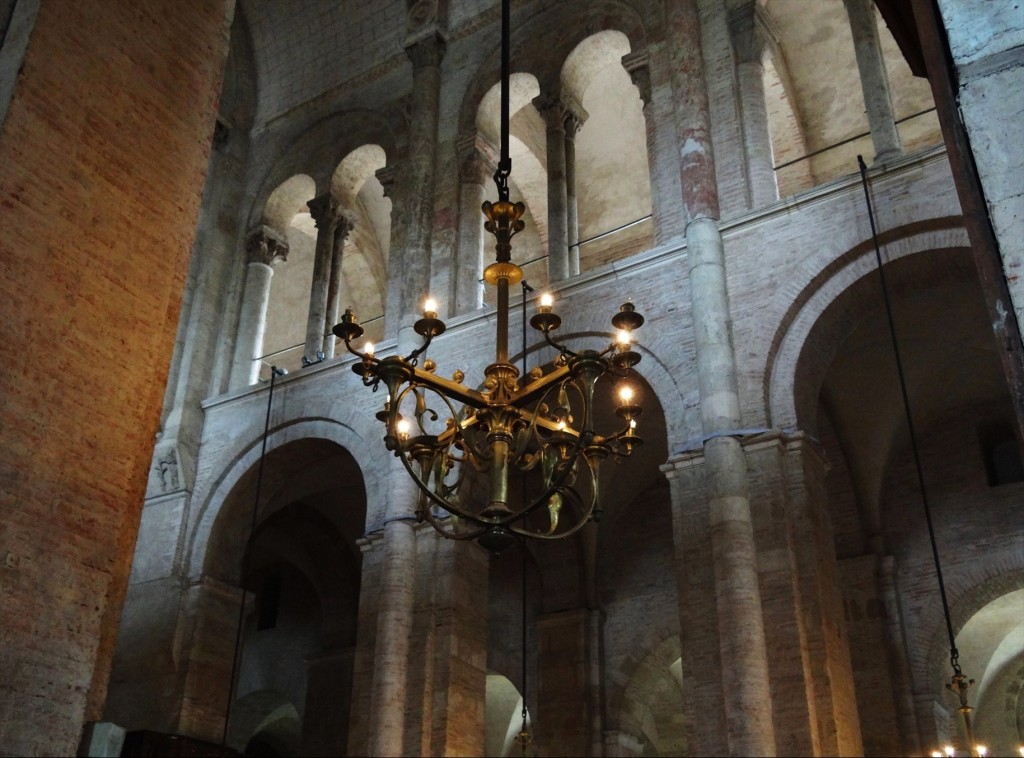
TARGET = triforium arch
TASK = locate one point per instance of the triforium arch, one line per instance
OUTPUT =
(844, 390)
(647, 707)
(544, 133)
(297, 560)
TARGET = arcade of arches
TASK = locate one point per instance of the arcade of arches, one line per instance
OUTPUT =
(761, 581)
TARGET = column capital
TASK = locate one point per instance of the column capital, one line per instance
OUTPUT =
(638, 67)
(323, 209)
(558, 114)
(426, 51)
(752, 31)
(386, 177)
(264, 245)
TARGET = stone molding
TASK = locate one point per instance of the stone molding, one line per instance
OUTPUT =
(558, 114)
(638, 67)
(752, 31)
(323, 209)
(386, 176)
(426, 51)
(265, 245)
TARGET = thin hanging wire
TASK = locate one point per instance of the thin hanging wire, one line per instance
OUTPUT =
(954, 654)
(247, 554)
(523, 730)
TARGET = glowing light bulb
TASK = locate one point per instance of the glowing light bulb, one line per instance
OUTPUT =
(1020, 750)
(368, 348)
(626, 394)
(430, 306)
(547, 300)
(403, 427)
(982, 750)
(624, 338)
(561, 426)
(632, 424)
(949, 751)
(936, 754)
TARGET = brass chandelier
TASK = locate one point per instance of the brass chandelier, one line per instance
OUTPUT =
(462, 449)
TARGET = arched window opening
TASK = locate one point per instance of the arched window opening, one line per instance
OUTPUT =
(612, 178)
(362, 281)
(815, 87)
(503, 716)
(284, 332)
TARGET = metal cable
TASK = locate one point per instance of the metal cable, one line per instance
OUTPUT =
(954, 654)
(246, 556)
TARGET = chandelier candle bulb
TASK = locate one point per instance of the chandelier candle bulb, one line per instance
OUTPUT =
(430, 308)
(546, 303)
(981, 750)
(368, 349)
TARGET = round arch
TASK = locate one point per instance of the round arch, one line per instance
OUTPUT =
(790, 401)
(317, 150)
(211, 506)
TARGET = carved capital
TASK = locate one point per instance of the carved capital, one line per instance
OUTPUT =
(426, 51)
(638, 67)
(264, 245)
(558, 114)
(343, 225)
(386, 177)
(323, 209)
(752, 30)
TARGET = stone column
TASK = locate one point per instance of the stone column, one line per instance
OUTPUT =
(476, 166)
(342, 227)
(413, 267)
(572, 220)
(653, 81)
(744, 665)
(748, 28)
(265, 248)
(322, 209)
(874, 80)
(412, 264)
(554, 114)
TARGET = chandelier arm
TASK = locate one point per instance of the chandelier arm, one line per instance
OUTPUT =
(448, 388)
(451, 534)
(535, 389)
(440, 501)
(558, 346)
(531, 430)
(583, 519)
(411, 358)
(477, 456)
(542, 500)
(366, 357)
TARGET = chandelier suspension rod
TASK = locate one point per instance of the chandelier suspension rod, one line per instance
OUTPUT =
(954, 654)
(505, 162)
(959, 684)
(247, 555)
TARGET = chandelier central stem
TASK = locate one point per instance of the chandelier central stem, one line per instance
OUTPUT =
(501, 355)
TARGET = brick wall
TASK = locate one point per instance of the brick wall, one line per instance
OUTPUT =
(103, 155)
